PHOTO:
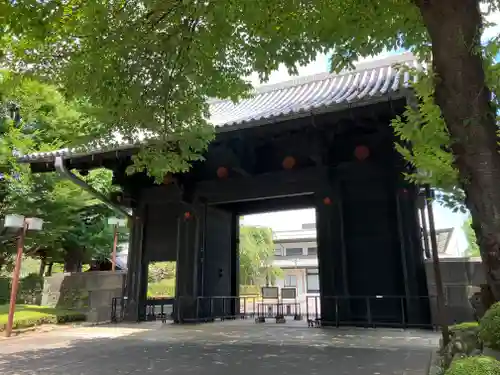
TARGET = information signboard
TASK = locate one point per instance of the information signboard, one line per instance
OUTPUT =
(270, 292)
(288, 293)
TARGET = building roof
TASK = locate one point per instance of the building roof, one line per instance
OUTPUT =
(443, 237)
(321, 93)
(306, 234)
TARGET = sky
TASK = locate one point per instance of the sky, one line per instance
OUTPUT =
(289, 220)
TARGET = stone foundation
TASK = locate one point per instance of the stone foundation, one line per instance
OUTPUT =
(90, 292)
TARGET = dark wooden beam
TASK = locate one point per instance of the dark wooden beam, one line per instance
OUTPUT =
(270, 205)
(288, 183)
(269, 185)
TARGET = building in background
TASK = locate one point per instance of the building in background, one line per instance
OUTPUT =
(296, 253)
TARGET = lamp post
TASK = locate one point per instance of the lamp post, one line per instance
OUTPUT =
(23, 225)
(116, 223)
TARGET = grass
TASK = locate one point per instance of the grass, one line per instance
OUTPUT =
(29, 316)
(163, 288)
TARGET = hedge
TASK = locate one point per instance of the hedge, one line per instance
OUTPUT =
(29, 292)
(489, 328)
(30, 316)
(4, 290)
(480, 365)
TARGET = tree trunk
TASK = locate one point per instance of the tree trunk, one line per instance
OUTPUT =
(460, 91)
(73, 260)
(43, 263)
(49, 269)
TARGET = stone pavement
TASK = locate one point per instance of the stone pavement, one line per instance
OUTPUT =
(232, 347)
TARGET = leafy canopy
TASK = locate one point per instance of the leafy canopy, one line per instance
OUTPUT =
(473, 247)
(147, 68)
(36, 117)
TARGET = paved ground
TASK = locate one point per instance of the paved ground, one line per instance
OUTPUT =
(239, 348)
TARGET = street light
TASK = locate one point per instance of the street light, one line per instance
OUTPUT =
(23, 224)
(116, 222)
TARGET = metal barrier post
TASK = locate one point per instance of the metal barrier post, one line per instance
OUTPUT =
(337, 312)
(403, 315)
(316, 307)
(197, 315)
(212, 318)
(113, 310)
(368, 312)
(307, 307)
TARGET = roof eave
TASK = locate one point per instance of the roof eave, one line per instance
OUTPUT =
(229, 127)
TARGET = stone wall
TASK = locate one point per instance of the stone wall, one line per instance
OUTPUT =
(461, 278)
(90, 292)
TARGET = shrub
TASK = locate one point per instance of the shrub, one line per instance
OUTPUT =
(464, 341)
(489, 327)
(30, 289)
(30, 316)
(4, 290)
(480, 365)
(464, 326)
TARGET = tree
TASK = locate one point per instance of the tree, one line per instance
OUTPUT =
(159, 271)
(256, 251)
(35, 117)
(147, 68)
(473, 248)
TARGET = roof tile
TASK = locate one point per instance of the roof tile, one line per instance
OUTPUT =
(299, 96)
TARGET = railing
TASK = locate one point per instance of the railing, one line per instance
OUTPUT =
(209, 309)
(371, 311)
(154, 309)
(118, 306)
(159, 309)
(366, 311)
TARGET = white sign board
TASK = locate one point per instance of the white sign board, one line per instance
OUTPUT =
(270, 292)
(288, 293)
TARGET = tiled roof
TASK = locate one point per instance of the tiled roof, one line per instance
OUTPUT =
(443, 237)
(302, 96)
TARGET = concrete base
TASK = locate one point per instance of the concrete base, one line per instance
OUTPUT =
(90, 292)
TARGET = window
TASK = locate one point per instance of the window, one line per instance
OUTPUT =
(312, 251)
(293, 251)
(312, 280)
(278, 251)
(290, 281)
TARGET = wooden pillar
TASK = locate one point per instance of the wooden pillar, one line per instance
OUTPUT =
(135, 289)
(188, 251)
(331, 257)
(417, 306)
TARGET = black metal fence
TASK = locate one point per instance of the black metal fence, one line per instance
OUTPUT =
(209, 309)
(366, 311)
(371, 311)
(159, 309)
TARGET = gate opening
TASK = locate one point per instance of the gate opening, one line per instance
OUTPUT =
(161, 286)
(279, 274)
